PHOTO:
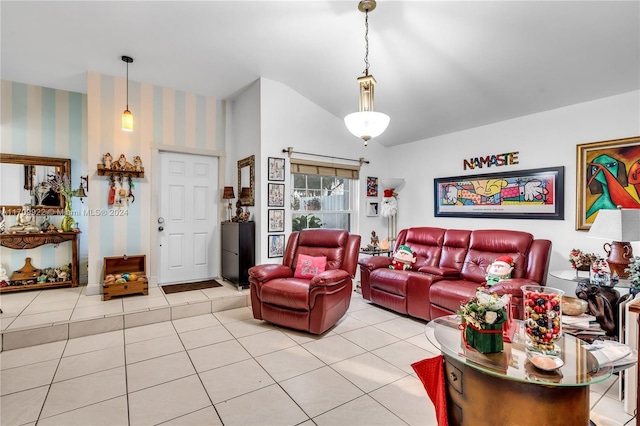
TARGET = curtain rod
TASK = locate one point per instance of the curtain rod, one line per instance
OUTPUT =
(290, 151)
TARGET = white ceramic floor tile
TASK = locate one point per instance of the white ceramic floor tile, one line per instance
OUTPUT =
(302, 337)
(89, 362)
(369, 338)
(333, 349)
(5, 321)
(93, 300)
(421, 341)
(38, 308)
(96, 311)
(233, 315)
(148, 349)
(368, 371)
(402, 328)
(132, 305)
(94, 342)
(610, 412)
(186, 297)
(240, 378)
(148, 332)
(31, 355)
(22, 407)
(248, 327)
(40, 319)
(195, 323)
(402, 355)
(27, 377)
(205, 336)
(113, 412)
(218, 355)
(85, 390)
(407, 399)
(207, 416)
(320, 390)
(373, 315)
(347, 323)
(267, 406)
(264, 343)
(60, 295)
(159, 370)
(167, 401)
(289, 362)
(364, 411)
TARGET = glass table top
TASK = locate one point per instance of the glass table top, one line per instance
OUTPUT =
(583, 276)
(580, 368)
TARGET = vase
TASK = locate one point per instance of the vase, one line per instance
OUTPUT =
(542, 317)
(485, 340)
(68, 222)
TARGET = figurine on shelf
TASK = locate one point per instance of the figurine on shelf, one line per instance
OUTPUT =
(137, 163)
(44, 226)
(25, 221)
(122, 164)
(3, 226)
(107, 160)
(4, 279)
(375, 241)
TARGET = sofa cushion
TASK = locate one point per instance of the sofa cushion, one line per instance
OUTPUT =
(290, 292)
(309, 266)
(390, 280)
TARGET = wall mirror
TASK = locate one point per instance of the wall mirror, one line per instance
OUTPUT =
(24, 179)
(246, 181)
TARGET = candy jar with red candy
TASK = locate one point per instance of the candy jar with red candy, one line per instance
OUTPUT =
(542, 317)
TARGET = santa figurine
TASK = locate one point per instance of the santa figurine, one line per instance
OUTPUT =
(389, 203)
(499, 270)
(403, 259)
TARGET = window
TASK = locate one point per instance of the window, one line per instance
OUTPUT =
(321, 201)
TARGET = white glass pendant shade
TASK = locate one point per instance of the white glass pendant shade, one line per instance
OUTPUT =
(127, 121)
(367, 124)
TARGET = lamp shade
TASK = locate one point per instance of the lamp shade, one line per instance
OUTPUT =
(245, 192)
(617, 225)
(227, 193)
(392, 183)
(367, 124)
(127, 121)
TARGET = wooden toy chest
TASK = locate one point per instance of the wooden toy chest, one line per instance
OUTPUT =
(132, 264)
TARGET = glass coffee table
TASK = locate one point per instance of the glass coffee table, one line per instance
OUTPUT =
(506, 388)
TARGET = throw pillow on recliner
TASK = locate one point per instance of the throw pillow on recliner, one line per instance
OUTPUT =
(309, 266)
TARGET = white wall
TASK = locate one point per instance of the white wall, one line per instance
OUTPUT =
(291, 120)
(543, 140)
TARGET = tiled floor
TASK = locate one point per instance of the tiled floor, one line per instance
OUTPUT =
(227, 368)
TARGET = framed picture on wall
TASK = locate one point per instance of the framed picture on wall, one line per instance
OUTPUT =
(276, 195)
(276, 169)
(276, 220)
(373, 208)
(372, 186)
(276, 245)
(608, 175)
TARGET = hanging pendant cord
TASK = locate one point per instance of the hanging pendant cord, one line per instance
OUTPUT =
(127, 86)
(366, 41)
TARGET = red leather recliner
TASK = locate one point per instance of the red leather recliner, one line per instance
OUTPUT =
(315, 304)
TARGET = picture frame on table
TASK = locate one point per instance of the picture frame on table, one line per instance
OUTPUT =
(276, 220)
(518, 194)
(276, 245)
(607, 176)
(373, 208)
(372, 186)
(276, 168)
(275, 195)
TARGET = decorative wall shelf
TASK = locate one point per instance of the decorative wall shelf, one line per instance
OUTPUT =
(103, 171)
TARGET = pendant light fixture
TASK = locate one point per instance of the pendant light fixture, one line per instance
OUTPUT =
(366, 123)
(127, 117)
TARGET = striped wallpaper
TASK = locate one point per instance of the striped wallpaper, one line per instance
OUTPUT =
(48, 122)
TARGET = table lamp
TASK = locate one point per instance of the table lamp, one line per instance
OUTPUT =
(622, 226)
(228, 195)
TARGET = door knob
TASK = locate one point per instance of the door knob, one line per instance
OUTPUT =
(160, 228)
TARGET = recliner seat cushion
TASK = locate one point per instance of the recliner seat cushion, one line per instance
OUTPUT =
(292, 293)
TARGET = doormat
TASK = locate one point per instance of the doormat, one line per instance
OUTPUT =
(178, 288)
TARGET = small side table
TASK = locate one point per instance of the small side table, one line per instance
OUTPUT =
(376, 252)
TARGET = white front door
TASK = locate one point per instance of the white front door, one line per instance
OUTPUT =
(188, 217)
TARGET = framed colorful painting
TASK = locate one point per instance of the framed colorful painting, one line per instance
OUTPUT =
(276, 220)
(276, 168)
(607, 176)
(372, 186)
(276, 245)
(520, 194)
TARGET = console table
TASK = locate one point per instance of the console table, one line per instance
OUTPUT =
(505, 388)
(23, 241)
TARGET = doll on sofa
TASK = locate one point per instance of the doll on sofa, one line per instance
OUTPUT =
(403, 259)
(499, 270)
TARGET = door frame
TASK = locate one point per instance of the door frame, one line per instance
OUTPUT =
(154, 205)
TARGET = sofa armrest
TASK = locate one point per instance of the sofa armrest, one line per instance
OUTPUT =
(330, 277)
(511, 286)
(375, 262)
(269, 272)
(442, 272)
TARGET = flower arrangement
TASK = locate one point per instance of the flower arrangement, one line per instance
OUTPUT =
(634, 274)
(580, 260)
(484, 309)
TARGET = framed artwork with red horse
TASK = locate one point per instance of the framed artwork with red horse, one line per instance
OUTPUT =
(608, 175)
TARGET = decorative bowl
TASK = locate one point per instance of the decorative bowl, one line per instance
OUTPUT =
(545, 362)
(573, 306)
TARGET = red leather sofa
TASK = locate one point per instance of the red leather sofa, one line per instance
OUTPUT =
(450, 265)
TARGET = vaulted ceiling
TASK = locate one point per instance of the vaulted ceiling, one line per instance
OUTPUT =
(441, 66)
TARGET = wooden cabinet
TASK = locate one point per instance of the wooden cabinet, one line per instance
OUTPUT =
(23, 241)
(238, 251)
